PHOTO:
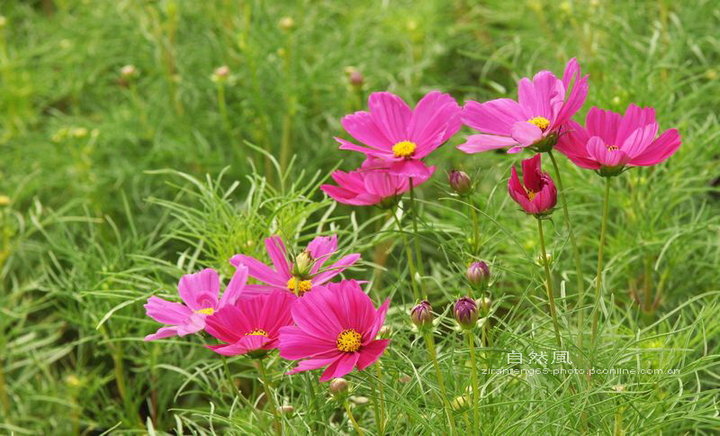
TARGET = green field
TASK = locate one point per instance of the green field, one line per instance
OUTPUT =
(112, 187)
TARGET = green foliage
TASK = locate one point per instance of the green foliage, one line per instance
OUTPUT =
(112, 187)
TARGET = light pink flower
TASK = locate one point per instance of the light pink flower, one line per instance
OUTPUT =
(300, 275)
(609, 141)
(335, 326)
(199, 292)
(252, 324)
(401, 136)
(544, 105)
(536, 194)
(371, 185)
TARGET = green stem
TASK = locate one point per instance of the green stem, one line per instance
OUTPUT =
(222, 106)
(576, 252)
(265, 381)
(380, 398)
(474, 378)
(355, 424)
(475, 246)
(416, 235)
(598, 279)
(430, 343)
(408, 253)
(548, 284)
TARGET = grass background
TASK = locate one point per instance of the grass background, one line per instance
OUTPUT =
(114, 189)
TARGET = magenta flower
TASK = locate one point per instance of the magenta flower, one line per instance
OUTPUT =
(536, 194)
(609, 142)
(300, 275)
(252, 324)
(368, 185)
(199, 292)
(335, 326)
(544, 106)
(401, 136)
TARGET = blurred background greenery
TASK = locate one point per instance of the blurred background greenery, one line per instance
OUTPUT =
(117, 122)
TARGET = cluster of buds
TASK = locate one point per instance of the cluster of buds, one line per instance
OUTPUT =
(460, 182)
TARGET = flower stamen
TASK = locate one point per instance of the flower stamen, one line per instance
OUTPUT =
(404, 149)
(206, 311)
(613, 148)
(541, 122)
(257, 332)
(299, 287)
(349, 341)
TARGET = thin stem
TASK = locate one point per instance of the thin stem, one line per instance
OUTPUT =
(475, 246)
(548, 284)
(430, 343)
(598, 279)
(355, 425)
(474, 378)
(380, 399)
(573, 243)
(222, 106)
(408, 253)
(416, 236)
(265, 381)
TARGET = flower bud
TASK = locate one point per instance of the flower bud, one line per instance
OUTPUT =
(339, 387)
(421, 315)
(536, 193)
(460, 182)
(220, 74)
(303, 264)
(466, 312)
(478, 273)
(484, 304)
(286, 410)
(129, 72)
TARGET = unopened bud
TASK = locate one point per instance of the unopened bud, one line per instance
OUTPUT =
(478, 273)
(339, 386)
(466, 312)
(484, 304)
(421, 315)
(303, 264)
(286, 410)
(404, 379)
(460, 182)
(220, 74)
(129, 72)
(385, 332)
(286, 23)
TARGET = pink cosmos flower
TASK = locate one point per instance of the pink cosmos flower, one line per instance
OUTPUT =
(544, 105)
(368, 186)
(335, 326)
(536, 194)
(199, 292)
(611, 141)
(252, 324)
(402, 136)
(299, 276)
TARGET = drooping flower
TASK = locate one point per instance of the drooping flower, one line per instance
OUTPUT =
(536, 194)
(335, 326)
(609, 142)
(370, 185)
(252, 324)
(544, 106)
(298, 275)
(199, 292)
(400, 136)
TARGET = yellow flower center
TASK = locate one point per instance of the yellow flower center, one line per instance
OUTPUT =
(613, 148)
(206, 311)
(257, 332)
(531, 195)
(299, 287)
(349, 341)
(404, 148)
(542, 122)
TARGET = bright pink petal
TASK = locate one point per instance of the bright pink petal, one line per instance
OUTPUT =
(230, 323)
(246, 344)
(200, 290)
(296, 344)
(336, 268)
(371, 352)
(525, 133)
(342, 366)
(347, 145)
(495, 116)
(435, 119)
(662, 148)
(260, 271)
(315, 315)
(163, 332)
(411, 168)
(166, 312)
(481, 142)
(541, 97)
(639, 140)
(391, 114)
(598, 150)
(310, 364)
(235, 287)
(578, 86)
(378, 323)
(278, 255)
(363, 128)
